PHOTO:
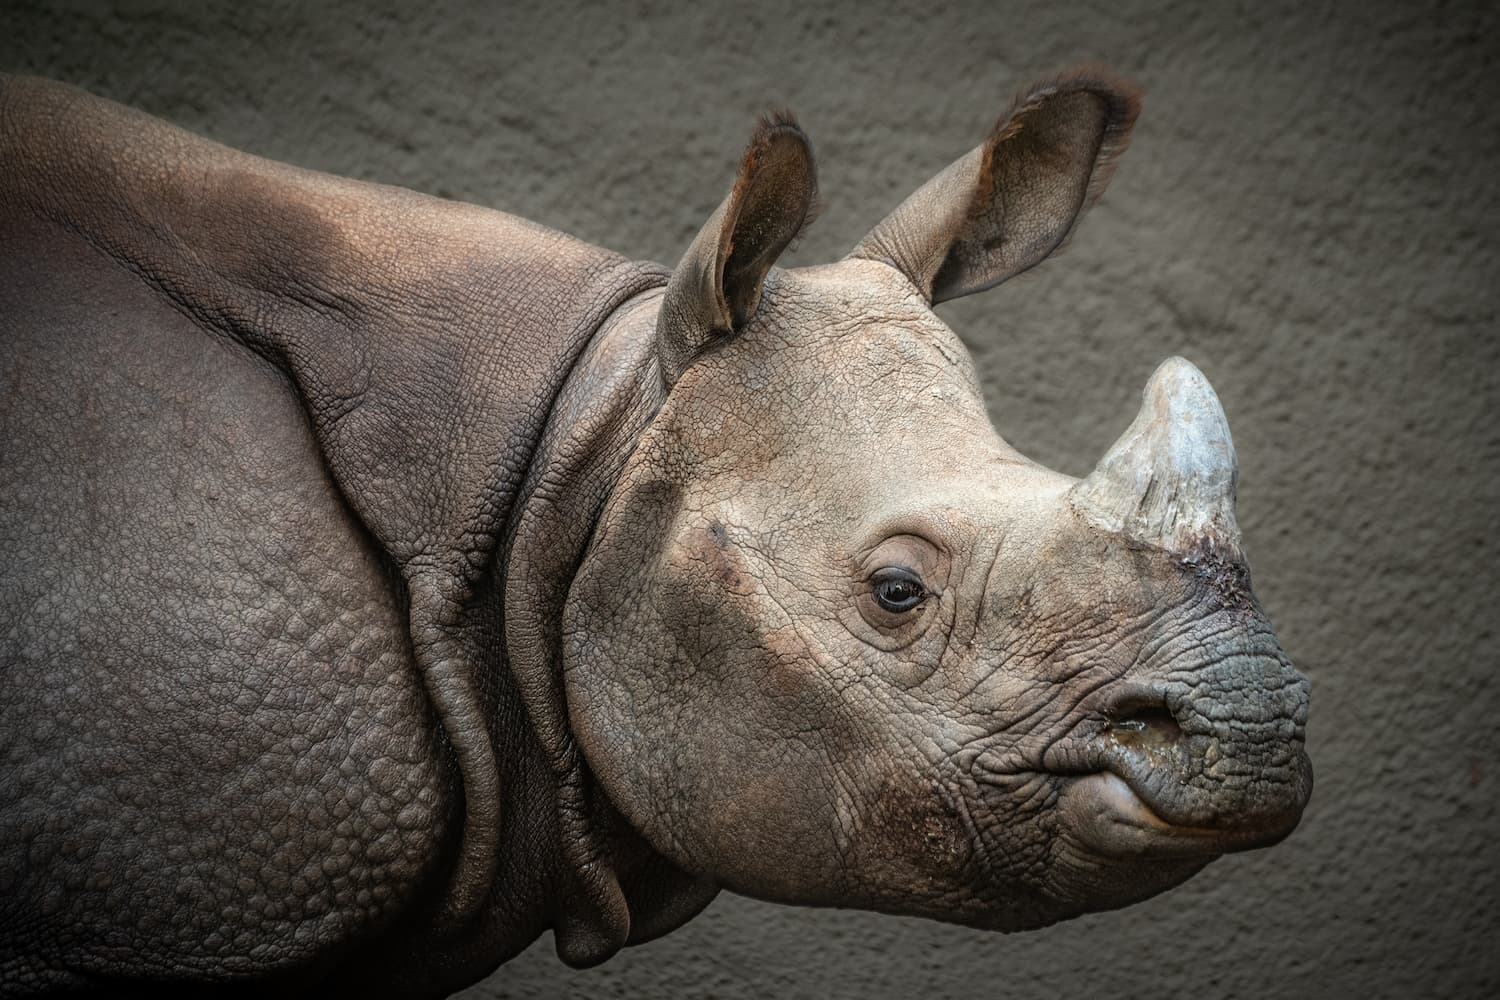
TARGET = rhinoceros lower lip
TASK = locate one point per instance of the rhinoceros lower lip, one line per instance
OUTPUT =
(1107, 816)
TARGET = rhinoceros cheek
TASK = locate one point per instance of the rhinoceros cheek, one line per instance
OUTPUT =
(909, 841)
(1033, 863)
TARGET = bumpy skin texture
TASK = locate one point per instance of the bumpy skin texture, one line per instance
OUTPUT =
(395, 580)
(260, 434)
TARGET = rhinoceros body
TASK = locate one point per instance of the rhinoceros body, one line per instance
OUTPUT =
(388, 580)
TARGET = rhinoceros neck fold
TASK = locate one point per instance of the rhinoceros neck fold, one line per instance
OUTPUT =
(610, 398)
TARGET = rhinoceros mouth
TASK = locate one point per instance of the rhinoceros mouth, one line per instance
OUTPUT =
(1144, 775)
(1108, 816)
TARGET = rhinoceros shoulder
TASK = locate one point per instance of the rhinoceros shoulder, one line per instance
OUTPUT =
(276, 425)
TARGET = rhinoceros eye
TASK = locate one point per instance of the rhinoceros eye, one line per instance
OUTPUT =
(897, 590)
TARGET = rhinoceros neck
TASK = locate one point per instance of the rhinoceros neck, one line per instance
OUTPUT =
(612, 888)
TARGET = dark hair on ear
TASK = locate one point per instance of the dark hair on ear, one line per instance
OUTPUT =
(768, 208)
(1122, 105)
(768, 125)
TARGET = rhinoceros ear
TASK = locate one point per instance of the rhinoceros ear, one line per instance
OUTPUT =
(1011, 202)
(716, 287)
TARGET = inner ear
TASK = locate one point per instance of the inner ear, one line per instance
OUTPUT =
(775, 202)
(1011, 202)
(1034, 179)
(717, 286)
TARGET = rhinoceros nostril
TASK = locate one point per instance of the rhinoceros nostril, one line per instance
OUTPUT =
(1144, 726)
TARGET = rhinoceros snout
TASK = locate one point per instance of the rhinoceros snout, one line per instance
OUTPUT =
(1207, 767)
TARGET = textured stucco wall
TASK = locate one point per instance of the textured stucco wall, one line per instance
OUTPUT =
(1309, 212)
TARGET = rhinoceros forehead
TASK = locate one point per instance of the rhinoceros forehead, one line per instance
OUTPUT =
(847, 350)
(845, 393)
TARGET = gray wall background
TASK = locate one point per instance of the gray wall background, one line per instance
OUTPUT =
(1309, 212)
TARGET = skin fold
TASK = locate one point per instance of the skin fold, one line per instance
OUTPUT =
(390, 581)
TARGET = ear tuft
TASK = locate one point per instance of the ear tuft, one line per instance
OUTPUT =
(782, 120)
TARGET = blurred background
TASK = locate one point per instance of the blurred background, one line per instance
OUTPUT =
(1308, 212)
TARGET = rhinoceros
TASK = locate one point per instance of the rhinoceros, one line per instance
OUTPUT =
(388, 581)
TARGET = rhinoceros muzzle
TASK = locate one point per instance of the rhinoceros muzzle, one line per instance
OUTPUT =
(1201, 750)
(1170, 771)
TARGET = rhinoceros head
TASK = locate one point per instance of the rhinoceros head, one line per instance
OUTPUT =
(836, 642)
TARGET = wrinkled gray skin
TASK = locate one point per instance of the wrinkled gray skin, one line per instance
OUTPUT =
(388, 580)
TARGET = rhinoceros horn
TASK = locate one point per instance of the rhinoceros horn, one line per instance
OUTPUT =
(1169, 481)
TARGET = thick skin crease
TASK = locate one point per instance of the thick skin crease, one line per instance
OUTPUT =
(390, 581)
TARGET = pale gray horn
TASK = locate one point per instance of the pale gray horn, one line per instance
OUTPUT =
(1169, 481)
